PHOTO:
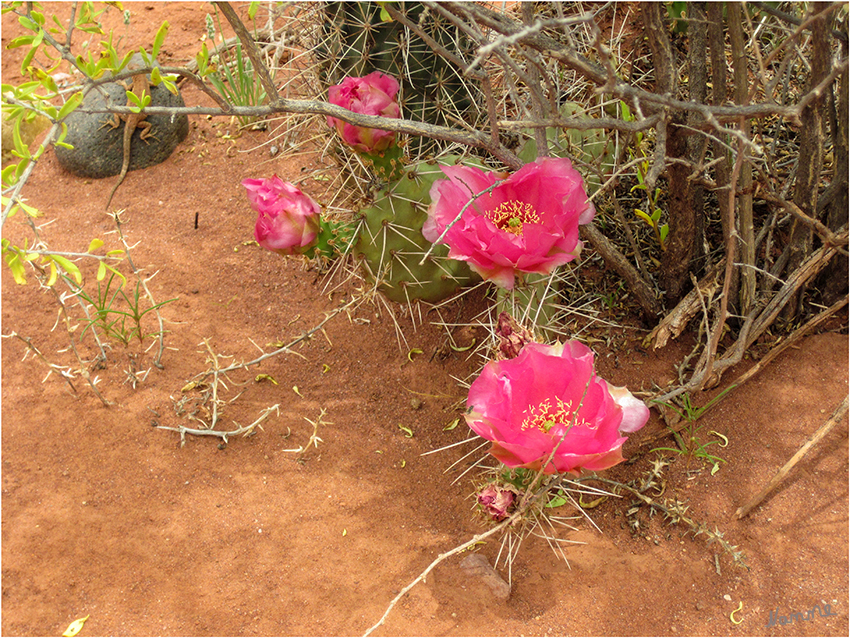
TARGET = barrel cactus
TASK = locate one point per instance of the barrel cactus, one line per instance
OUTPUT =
(391, 245)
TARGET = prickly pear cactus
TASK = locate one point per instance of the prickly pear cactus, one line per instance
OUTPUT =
(355, 41)
(391, 244)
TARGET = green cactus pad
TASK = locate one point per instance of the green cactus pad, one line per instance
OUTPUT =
(391, 244)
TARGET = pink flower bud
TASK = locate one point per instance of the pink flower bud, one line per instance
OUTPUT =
(496, 501)
(373, 94)
(512, 336)
(287, 219)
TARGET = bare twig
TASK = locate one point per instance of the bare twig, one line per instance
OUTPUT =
(283, 349)
(821, 432)
(243, 430)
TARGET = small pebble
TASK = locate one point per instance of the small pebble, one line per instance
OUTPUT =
(416, 403)
(727, 597)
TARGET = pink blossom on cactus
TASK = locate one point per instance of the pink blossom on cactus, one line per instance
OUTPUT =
(287, 220)
(373, 94)
(525, 405)
(496, 501)
(528, 223)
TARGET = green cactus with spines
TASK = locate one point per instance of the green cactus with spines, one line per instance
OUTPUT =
(357, 38)
(590, 147)
(391, 244)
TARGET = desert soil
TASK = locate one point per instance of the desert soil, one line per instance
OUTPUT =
(106, 516)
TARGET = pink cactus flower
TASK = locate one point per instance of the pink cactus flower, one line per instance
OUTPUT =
(373, 94)
(526, 404)
(528, 223)
(496, 501)
(287, 220)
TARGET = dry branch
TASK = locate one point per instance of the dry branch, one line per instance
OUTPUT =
(675, 322)
(822, 431)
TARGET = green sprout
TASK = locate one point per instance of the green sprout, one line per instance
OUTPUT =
(690, 444)
(122, 325)
(652, 218)
(231, 74)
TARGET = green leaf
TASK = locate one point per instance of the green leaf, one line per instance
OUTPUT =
(13, 260)
(69, 267)
(626, 111)
(252, 10)
(27, 59)
(101, 271)
(156, 76)
(556, 501)
(54, 274)
(29, 210)
(19, 142)
(168, 83)
(27, 23)
(202, 58)
(46, 81)
(645, 217)
(61, 141)
(73, 102)
(407, 431)
(662, 232)
(20, 42)
(159, 39)
(9, 175)
(139, 102)
(20, 167)
(95, 244)
(452, 425)
(656, 214)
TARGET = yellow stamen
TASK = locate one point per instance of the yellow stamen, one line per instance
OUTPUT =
(510, 216)
(544, 417)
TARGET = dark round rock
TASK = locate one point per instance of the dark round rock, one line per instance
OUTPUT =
(99, 149)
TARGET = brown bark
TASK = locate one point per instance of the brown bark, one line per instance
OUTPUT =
(698, 92)
(723, 171)
(676, 260)
(835, 280)
(747, 248)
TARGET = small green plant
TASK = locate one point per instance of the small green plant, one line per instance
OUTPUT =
(690, 444)
(232, 75)
(652, 218)
(122, 325)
